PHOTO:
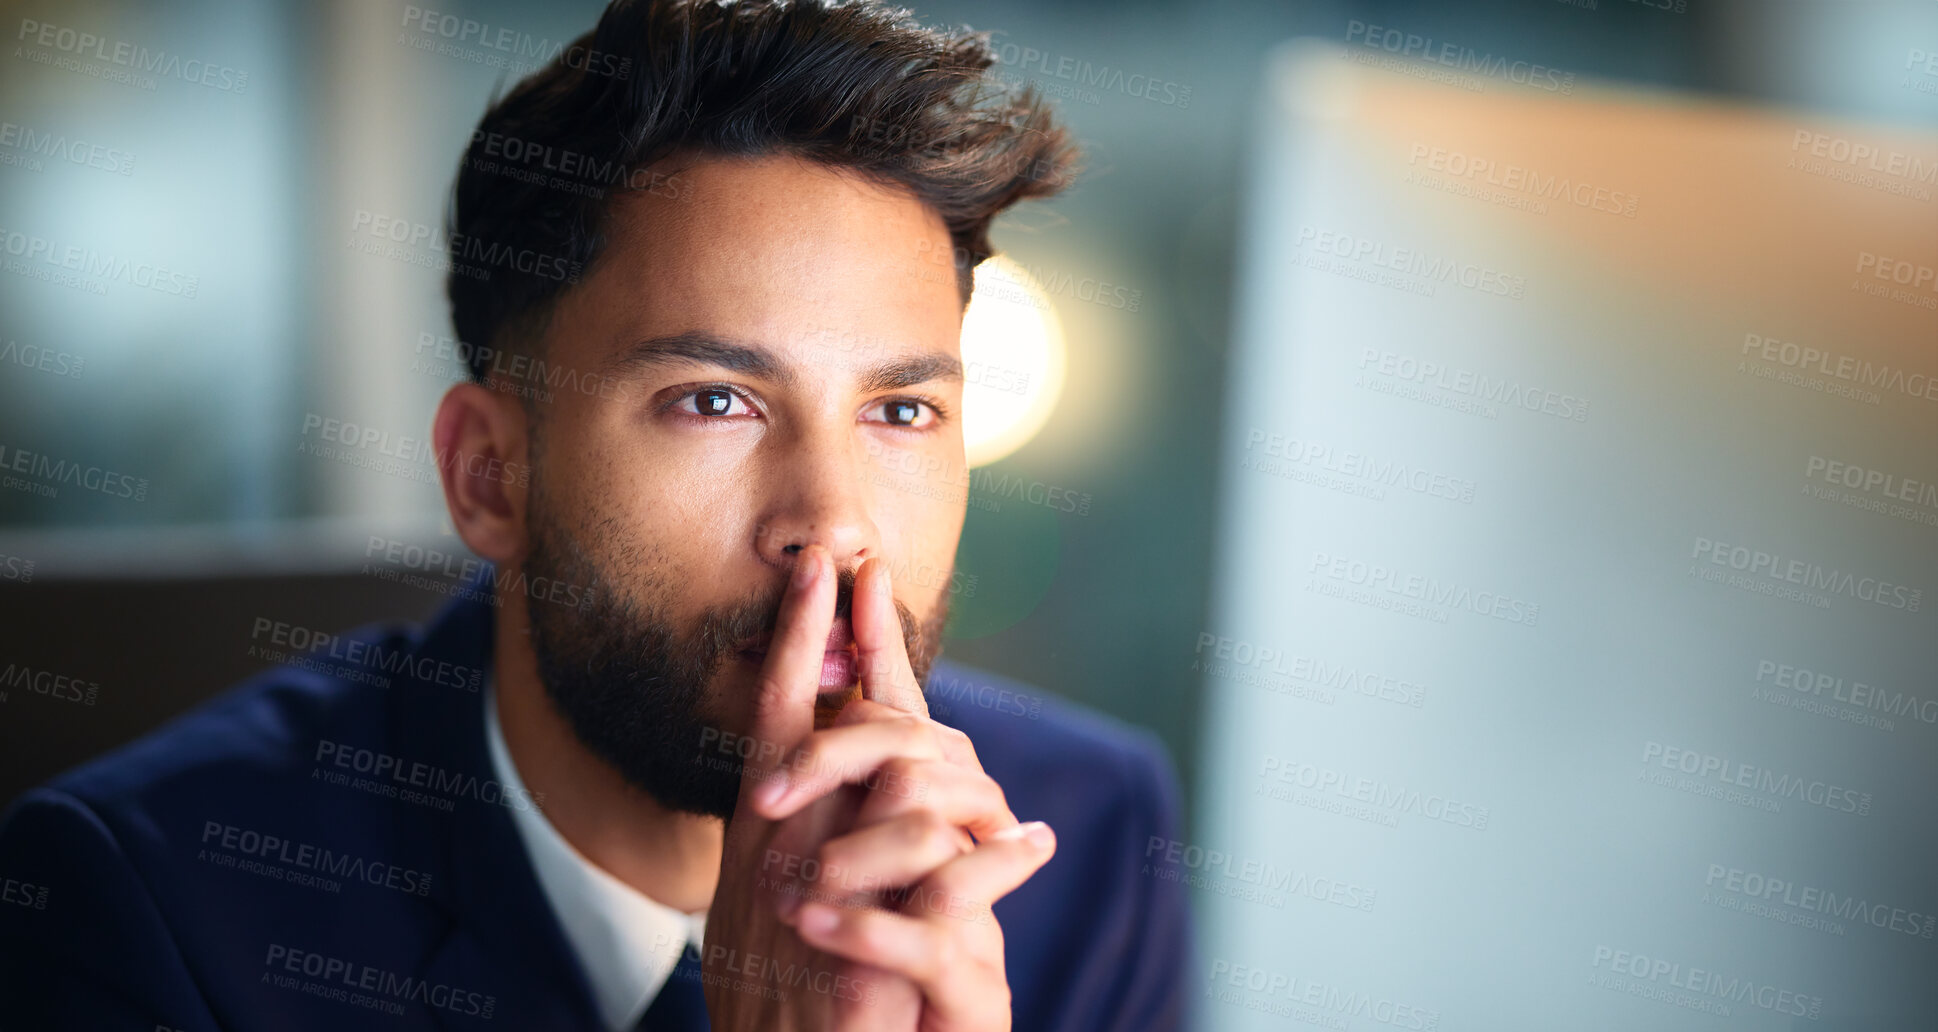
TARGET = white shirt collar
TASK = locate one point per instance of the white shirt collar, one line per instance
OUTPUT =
(627, 943)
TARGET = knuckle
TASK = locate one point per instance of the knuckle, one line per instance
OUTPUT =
(939, 738)
(909, 728)
(771, 693)
(993, 794)
(922, 782)
(926, 832)
(903, 770)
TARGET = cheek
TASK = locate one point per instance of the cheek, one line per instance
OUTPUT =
(918, 538)
(918, 498)
(687, 510)
(729, 700)
(923, 578)
(919, 516)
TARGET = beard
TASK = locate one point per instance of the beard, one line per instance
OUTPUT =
(632, 680)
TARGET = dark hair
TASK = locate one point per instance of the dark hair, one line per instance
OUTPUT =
(853, 85)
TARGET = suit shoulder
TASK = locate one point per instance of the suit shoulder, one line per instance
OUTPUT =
(261, 728)
(1032, 734)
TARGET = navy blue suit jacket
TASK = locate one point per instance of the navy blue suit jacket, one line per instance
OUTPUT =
(324, 847)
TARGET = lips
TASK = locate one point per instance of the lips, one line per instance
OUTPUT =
(838, 664)
(837, 669)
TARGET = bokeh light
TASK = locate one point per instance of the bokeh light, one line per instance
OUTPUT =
(1013, 359)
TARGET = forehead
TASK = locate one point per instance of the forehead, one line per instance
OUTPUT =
(777, 250)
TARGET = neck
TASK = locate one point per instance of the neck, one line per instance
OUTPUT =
(672, 858)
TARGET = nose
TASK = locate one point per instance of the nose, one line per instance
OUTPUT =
(816, 497)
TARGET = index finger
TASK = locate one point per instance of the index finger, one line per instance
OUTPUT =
(881, 654)
(791, 675)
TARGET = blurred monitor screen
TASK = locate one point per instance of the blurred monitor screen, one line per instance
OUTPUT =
(1573, 640)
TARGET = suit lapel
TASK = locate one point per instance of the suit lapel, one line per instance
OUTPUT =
(681, 1006)
(504, 942)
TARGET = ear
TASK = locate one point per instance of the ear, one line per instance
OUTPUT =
(480, 437)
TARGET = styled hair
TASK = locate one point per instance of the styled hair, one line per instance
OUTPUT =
(852, 85)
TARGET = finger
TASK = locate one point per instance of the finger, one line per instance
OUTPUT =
(993, 869)
(874, 1000)
(881, 652)
(840, 755)
(956, 746)
(958, 967)
(896, 943)
(791, 676)
(964, 798)
(851, 869)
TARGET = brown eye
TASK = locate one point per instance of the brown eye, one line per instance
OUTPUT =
(715, 402)
(904, 412)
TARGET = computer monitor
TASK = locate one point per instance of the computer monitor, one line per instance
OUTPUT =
(1573, 658)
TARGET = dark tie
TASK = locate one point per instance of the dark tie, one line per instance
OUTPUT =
(679, 1007)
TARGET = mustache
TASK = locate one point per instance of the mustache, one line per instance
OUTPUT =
(751, 623)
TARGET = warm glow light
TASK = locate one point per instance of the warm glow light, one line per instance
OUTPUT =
(1012, 355)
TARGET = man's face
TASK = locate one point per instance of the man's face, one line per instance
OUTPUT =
(768, 360)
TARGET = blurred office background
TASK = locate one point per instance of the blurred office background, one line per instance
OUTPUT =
(1189, 323)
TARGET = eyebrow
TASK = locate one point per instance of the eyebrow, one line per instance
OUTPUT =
(698, 348)
(907, 372)
(755, 360)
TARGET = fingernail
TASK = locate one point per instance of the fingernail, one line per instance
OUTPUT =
(817, 920)
(1036, 833)
(806, 565)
